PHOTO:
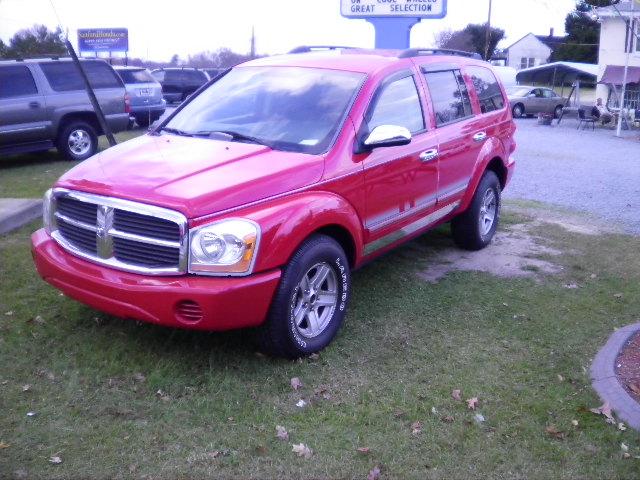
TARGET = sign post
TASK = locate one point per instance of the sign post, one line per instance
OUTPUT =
(393, 19)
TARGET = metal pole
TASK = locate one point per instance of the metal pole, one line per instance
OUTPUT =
(488, 34)
(626, 70)
(92, 95)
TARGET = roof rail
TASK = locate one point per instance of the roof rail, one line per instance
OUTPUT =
(417, 52)
(313, 48)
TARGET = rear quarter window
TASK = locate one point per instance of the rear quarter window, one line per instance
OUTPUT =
(487, 88)
(64, 76)
(449, 96)
(16, 81)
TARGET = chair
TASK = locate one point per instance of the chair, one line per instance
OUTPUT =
(584, 120)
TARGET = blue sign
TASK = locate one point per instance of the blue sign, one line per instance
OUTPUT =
(103, 40)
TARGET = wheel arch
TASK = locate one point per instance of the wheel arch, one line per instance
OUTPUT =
(89, 117)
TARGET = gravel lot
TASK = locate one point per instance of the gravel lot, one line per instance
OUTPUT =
(594, 172)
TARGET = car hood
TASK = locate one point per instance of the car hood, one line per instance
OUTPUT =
(195, 176)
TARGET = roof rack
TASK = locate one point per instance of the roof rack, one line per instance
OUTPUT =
(313, 48)
(417, 52)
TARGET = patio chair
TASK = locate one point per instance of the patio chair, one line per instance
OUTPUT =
(583, 120)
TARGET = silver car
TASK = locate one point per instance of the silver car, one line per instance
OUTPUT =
(526, 100)
(145, 93)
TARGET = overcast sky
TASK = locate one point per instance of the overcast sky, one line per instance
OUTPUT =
(158, 29)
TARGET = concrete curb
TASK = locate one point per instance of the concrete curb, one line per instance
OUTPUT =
(16, 212)
(605, 381)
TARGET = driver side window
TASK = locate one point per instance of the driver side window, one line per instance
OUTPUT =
(397, 103)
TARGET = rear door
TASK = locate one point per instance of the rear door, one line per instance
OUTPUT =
(400, 182)
(23, 107)
(460, 133)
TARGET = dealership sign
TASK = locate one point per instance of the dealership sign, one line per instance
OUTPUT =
(393, 8)
(103, 40)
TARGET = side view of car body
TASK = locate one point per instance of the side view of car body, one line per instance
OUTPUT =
(525, 100)
(179, 82)
(253, 202)
(44, 104)
(145, 93)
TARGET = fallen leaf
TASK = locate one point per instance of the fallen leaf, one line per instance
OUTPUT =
(9, 313)
(553, 431)
(617, 295)
(447, 419)
(635, 388)
(472, 403)
(162, 396)
(302, 450)
(26, 388)
(434, 411)
(626, 455)
(593, 275)
(296, 383)
(505, 304)
(622, 427)
(604, 409)
(374, 474)
(139, 377)
(416, 428)
(571, 286)
(364, 450)
(37, 319)
(282, 433)
(55, 460)
(624, 447)
(456, 395)
(314, 356)
(301, 403)
(4, 445)
(31, 414)
(560, 378)
(574, 423)
(479, 418)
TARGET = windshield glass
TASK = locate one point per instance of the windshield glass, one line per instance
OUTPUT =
(136, 76)
(517, 91)
(287, 108)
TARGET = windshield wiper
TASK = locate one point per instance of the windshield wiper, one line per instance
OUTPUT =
(231, 135)
(176, 131)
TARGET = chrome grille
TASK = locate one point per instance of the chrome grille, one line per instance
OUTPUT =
(119, 233)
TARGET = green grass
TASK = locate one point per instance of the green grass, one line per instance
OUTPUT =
(30, 175)
(405, 346)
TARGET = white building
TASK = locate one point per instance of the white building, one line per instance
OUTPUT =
(530, 51)
(618, 37)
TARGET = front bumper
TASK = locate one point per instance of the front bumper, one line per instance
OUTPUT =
(225, 303)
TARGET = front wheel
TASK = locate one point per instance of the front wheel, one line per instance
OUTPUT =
(518, 111)
(311, 301)
(474, 229)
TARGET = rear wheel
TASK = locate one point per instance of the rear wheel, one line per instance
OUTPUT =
(77, 140)
(143, 121)
(310, 303)
(558, 111)
(474, 229)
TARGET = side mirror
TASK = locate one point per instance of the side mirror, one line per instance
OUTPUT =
(387, 136)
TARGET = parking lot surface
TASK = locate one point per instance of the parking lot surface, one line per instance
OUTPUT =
(590, 171)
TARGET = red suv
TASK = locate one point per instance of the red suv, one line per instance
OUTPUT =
(252, 203)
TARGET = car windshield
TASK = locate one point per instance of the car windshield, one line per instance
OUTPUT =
(286, 108)
(517, 91)
(136, 76)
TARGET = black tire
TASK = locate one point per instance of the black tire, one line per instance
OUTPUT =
(557, 113)
(469, 229)
(280, 335)
(517, 110)
(143, 121)
(77, 140)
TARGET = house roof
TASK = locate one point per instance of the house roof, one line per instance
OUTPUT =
(624, 7)
(551, 41)
(614, 74)
(519, 40)
(560, 71)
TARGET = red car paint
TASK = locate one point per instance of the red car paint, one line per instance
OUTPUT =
(289, 195)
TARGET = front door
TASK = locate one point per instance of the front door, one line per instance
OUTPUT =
(400, 182)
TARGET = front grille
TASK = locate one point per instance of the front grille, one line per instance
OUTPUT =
(119, 233)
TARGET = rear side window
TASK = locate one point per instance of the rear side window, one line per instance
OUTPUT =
(488, 89)
(449, 96)
(16, 81)
(158, 75)
(397, 104)
(193, 76)
(64, 76)
(173, 76)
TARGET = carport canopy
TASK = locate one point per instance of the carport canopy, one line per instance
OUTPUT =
(558, 73)
(614, 75)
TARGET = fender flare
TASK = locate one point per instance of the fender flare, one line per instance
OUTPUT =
(492, 149)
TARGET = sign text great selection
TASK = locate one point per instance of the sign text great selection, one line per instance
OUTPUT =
(393, 8)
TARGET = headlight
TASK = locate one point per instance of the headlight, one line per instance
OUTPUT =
(47, 211)
(227, 247)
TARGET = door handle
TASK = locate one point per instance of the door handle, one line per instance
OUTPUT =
(34, 104)
(429, 155)
(479, 137)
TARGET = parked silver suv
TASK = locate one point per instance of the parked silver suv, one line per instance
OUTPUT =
(44, 105)
(145, 92)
